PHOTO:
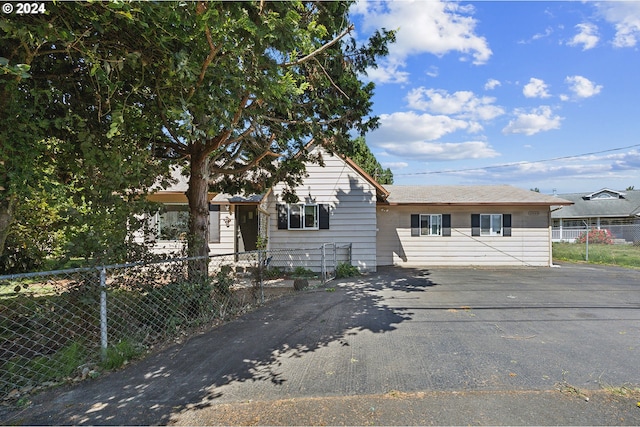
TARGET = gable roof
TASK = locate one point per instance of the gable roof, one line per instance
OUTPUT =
(586, 206)
(468, 195)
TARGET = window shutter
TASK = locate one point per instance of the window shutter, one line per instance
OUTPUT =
(475, 224)
(446, 225)
(415, 225)
(323, 212)
(283, 222)
(506, 225)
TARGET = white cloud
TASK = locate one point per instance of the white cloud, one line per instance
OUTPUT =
(461, 104)
(587, 36)
(388, 72)
(436, 27)
(491, 84)
(625, 17)
(440, 151)
(409, 126)
(582, 87)
(537, 120)
(536, 88)
(395, 165)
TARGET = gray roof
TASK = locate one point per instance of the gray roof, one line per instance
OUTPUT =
(468, 195)
(230, 198)
(625, 207)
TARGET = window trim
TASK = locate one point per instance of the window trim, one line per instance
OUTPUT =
(430, 226)
(492, 231)
(158, 221)
(302, 212)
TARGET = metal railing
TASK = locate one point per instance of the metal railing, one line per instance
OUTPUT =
(67, 325)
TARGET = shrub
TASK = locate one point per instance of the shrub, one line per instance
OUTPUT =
(596, 236)
(346, 270)
(302, 272)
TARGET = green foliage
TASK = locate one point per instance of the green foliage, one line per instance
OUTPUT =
(119, 354)
(302, 272)
(362, 155)
(273, 273)
(224, 280)
(346, 270)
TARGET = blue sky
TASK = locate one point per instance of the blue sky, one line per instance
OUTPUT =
(533, 94)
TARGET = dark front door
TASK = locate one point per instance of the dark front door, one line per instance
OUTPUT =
(247, 230)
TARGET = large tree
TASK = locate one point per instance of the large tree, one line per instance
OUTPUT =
(231, 91)
(56, 154)
(239, 88)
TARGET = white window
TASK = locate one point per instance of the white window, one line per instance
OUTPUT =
(173, 222)
(303, 217)
(430, 225)
(490, 224)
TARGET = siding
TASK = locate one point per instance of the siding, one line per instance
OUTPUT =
(352, 218)
(530, 243)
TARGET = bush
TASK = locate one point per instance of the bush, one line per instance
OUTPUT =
(346, 270)
(596, 236)
(302, 272)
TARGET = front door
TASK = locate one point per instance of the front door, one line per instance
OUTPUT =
(247, 228)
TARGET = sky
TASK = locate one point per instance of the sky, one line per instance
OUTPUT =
(533, 94)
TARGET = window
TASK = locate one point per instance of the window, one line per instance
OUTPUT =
(491, 224)
(173, 222)
(431, 225)
(303, 217)
(214, 223)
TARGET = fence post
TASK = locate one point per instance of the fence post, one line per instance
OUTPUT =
(103, 313)
(262, 260)
(323, 266)
(335, 259)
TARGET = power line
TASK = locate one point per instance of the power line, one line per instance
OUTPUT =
(505, 165)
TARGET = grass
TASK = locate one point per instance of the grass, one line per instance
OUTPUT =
(619, 255)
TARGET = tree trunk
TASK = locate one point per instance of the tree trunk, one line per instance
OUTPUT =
(7, 210)
(198, 240)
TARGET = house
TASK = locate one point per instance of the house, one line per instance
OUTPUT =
(384, 225)
(616, 211)
(465, 225)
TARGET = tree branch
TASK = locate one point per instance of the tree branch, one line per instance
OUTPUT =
(320, 49)
(331, 80)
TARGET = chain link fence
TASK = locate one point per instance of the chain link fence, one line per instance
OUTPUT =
(67, 325)
(628, 234)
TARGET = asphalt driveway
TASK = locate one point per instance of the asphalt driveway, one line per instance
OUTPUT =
(401, 346)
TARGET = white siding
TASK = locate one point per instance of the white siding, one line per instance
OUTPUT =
(352, 219)
(529, 243)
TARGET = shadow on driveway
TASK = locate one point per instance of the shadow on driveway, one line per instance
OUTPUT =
(249, 349)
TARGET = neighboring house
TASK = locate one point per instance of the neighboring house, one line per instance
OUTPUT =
(384, 225)
(604, 209)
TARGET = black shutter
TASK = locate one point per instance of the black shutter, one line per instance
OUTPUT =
(283, 221)
(214, 208)
(446, 224)
(506, 225)
(415, 224)
(475, 224)
(323, 212)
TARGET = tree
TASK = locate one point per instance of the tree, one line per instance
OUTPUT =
(364, 158)
(55, 141)
(231, 91)
(240, 88)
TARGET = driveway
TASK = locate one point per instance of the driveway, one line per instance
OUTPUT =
(422, 345)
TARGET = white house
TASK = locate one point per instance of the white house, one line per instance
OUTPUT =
(385, 225)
